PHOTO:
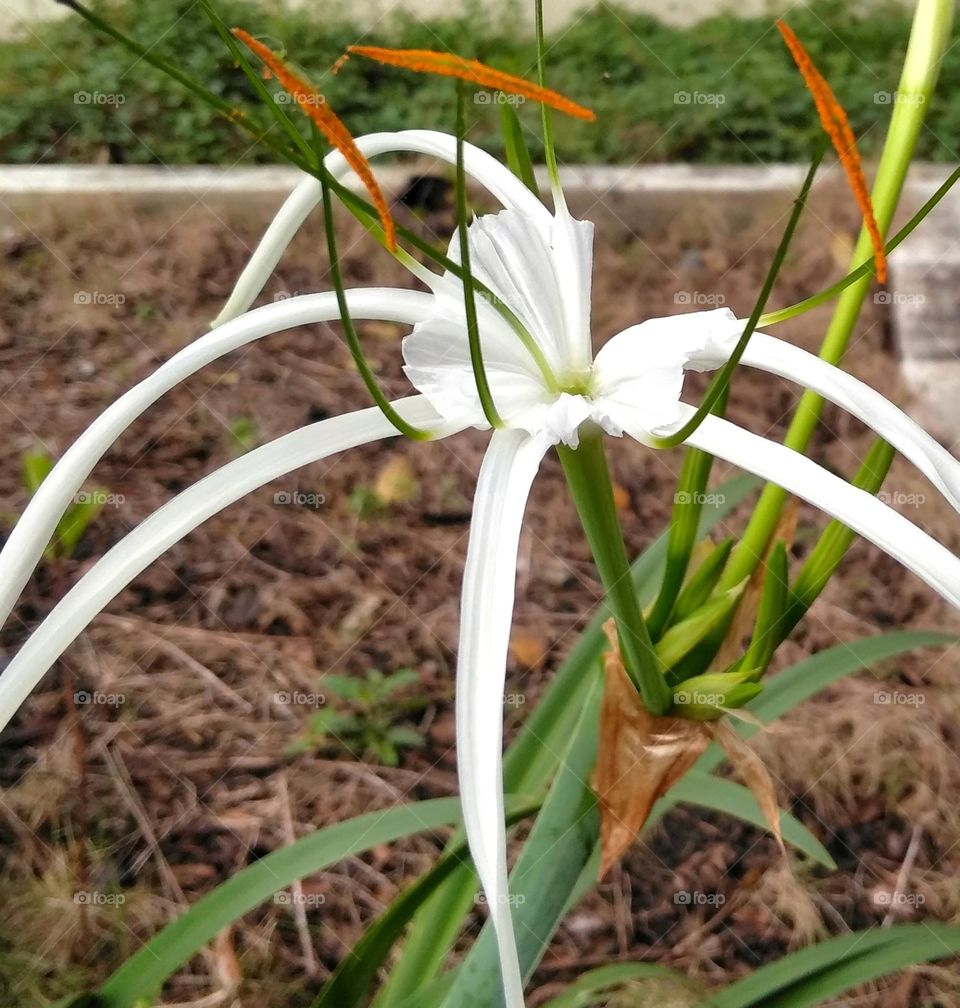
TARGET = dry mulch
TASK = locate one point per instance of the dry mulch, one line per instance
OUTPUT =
(194, 774)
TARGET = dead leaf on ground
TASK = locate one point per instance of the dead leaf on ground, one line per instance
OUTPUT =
(396, 483)
(528, 649)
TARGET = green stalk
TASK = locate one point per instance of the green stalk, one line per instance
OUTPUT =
(549, 151)
(833, 543)
(721, 381)
(589, 480)
(865, 269)
(353, 340)
(928, 38)
(469, 303)
(148, 55)
(684, 522)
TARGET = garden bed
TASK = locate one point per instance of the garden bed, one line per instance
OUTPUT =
(192, 756)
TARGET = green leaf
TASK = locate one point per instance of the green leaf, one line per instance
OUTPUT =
(142, 975)
(585, 991)
(773, 604)
(353, 977)
(733, 799)
(37, 464)
(810, 976)
(683, 637)
(533, 757)
(561, 842)
(77, 520)
(701, 584)
(515, 146)
(798, 683)
(688, 502)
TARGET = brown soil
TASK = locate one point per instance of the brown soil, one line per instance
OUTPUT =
(193, 775)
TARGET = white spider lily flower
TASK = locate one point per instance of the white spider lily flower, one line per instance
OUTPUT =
(548, 390)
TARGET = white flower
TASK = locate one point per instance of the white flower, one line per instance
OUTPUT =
(549, 390)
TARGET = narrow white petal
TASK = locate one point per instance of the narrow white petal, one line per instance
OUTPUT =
(479, 165)
(572, 261)
(857, 509)
(489, 580)
(180, 516)
(891, 423)
(36, 525)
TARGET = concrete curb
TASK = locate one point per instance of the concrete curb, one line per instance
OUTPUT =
(63, 179)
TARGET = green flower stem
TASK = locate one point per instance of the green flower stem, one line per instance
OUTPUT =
(589, 480)
(469, 302)
(350, 331)
(721, 381)
(865, 269)
(549, 151)
(928, 38)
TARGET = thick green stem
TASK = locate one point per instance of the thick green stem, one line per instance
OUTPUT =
(589, 480)
(928, 37)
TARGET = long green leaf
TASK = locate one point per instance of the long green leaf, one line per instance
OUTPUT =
(801, 681)
(515, 145)
(734, 799)
(143, 974)
(561, 842)
(810, 976)
(532, 759)
(351, 981)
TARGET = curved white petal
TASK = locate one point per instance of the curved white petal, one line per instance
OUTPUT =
(36, 525)
(544, 279)
(891, 423)
(862, 512)
(638, 374)
(479, 165)
(489, 579)
(180, 516)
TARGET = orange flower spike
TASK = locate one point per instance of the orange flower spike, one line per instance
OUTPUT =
(450, 65)
(330, 125)
(837, 127)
